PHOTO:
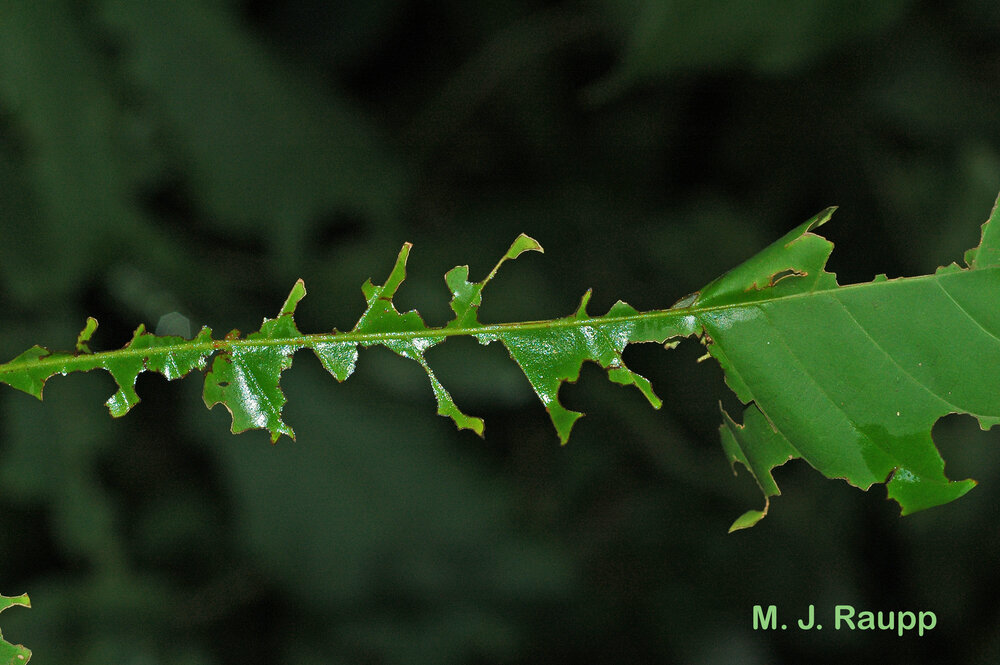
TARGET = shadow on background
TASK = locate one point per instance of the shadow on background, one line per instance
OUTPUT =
(198, 157)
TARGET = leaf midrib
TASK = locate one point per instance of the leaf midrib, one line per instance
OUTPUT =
(311, 340)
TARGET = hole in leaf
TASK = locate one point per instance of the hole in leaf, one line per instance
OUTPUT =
(963, 447)
(778, 276)
(462, 362)
(690, 390)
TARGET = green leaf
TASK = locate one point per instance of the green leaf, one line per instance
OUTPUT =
(852, 379)
(467, 296)
(10, 654)
(849, 378)
(381, 320)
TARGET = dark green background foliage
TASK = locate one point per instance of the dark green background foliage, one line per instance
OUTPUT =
(199, 156)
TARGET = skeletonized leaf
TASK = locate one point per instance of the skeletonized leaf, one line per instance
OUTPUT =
(381, 319)
(849, 378)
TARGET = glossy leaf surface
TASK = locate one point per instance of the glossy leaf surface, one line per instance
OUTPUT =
(849, 378)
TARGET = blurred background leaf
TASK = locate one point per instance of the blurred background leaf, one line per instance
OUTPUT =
(195, 158)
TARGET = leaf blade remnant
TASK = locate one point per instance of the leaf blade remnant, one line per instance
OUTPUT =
(13, 654)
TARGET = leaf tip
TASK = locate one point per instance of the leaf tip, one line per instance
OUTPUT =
(748, 519)
(281, 430)
(523, 243)
(914, 493)
(581, 310)
(396, 275)
(475, 424)
(297, 293)
(563, 419)
(821, 218)
(85, 335)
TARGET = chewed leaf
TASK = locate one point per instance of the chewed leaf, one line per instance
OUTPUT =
(758, 447)
(13, 653)
(173, 358)
(245, 381)
(849, 378)
(338, 358)
(800, 254)
(85, 335)
(245, 378)
(987, 254)
(553, 354)
(467, 296)
(31, 374)
(852, 379)
(381, 318)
